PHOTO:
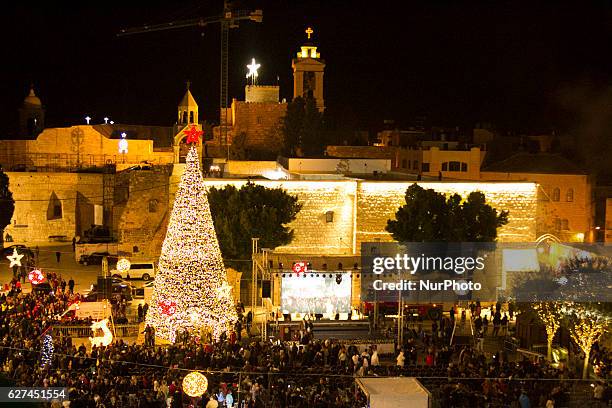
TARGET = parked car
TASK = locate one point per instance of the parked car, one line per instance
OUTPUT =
(44, 287)
(138, 270)
(21, 249)
(139, 292)
(120, 287)
(95, 258)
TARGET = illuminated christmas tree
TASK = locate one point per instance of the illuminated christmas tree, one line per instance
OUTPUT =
(191, 289)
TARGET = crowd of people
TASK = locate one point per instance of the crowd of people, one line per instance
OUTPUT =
(242, 370)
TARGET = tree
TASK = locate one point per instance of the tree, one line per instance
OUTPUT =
(551, 314)
(7, 203)
(191, 290)
(302, 128)
(253, 211)
(588, 324)
(430, 216)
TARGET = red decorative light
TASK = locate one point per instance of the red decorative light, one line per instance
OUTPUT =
(167, 307)
(35, 277)
(300, 267)
(193, 134)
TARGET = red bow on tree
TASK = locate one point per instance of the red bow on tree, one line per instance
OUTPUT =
(193, 134)
(167, 307)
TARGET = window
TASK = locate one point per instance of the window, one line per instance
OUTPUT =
(57, 210)
(415, 165)
(445, 166)
(557, 224)
(54, 209)
(463, 166)
(153, 206)
(454, 166)
(556, 194)
(569, 196)
(564, 224)
(191, 117)
(425, 167)
(259, 120)
(329, 216)
(404, 163)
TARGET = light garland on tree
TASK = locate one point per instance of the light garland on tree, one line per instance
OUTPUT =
(551, 314)
(47, 350)
(588, 325)
(195, 384)
(191, 276)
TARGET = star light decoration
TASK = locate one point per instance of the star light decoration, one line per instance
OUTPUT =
(252, 74)
(36, 276)
(195, 384)
(193, 134)
(15, 259)
(191, 268)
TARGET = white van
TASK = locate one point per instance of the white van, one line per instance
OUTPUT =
(138, 270)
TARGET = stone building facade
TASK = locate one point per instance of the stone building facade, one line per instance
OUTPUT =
(53, 206)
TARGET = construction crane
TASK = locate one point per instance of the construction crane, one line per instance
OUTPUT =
(227, 20)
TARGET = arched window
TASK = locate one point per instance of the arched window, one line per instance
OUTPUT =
(564, 224)
(556, 194)
(191, 117)
(569, 196)
(557, 224)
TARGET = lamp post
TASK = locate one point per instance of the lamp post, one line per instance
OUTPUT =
(254, 243)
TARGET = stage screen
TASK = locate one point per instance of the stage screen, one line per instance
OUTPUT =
(312, 294)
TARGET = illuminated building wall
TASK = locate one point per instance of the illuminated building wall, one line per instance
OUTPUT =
(338, 215)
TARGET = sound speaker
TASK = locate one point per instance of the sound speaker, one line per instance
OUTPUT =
(266, 289)
(105, 287)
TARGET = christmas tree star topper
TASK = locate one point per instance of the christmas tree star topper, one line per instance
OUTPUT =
(193, 134)
(15, 258)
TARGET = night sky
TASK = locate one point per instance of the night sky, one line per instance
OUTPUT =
(519, 66)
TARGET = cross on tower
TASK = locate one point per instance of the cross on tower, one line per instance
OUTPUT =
(188, 84)
(309, 32)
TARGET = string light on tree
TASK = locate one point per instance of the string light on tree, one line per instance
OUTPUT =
(588, 325)
(191, 269)
(551, 314)
(47, 350)
(195, 384)
(15, 259)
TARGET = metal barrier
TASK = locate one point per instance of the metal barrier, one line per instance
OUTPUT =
(121, 330)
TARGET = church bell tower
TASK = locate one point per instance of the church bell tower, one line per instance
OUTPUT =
(308, 70)
(31, 115)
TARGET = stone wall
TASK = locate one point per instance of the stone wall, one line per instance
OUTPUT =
(77, 145)
(364, 220)
(141, 211)
(260, 122)
(312, 229)
(36, 195)
(378, 202)
(577, 208)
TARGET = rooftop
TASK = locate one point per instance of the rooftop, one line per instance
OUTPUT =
(535, 163)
